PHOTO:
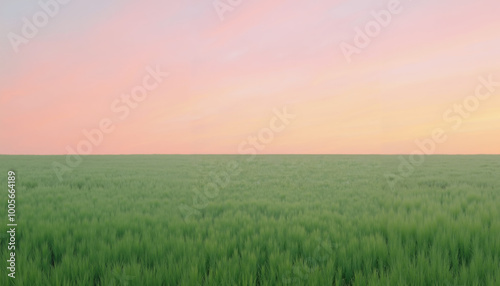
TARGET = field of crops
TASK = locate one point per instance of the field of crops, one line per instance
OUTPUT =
(274, 220)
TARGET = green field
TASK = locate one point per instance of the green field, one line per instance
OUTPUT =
(276, 220)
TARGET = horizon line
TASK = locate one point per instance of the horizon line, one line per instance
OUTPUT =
(273, 154)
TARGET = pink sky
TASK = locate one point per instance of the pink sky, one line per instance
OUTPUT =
(226, 77)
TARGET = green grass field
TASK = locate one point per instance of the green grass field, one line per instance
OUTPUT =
(276, 220)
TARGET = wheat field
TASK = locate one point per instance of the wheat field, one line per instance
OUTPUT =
(264, 220)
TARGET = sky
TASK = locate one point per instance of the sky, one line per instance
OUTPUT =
(250, 76)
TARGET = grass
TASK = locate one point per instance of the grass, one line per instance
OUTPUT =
(276, 220)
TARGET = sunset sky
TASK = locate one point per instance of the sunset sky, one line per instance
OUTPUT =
(228, 77)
